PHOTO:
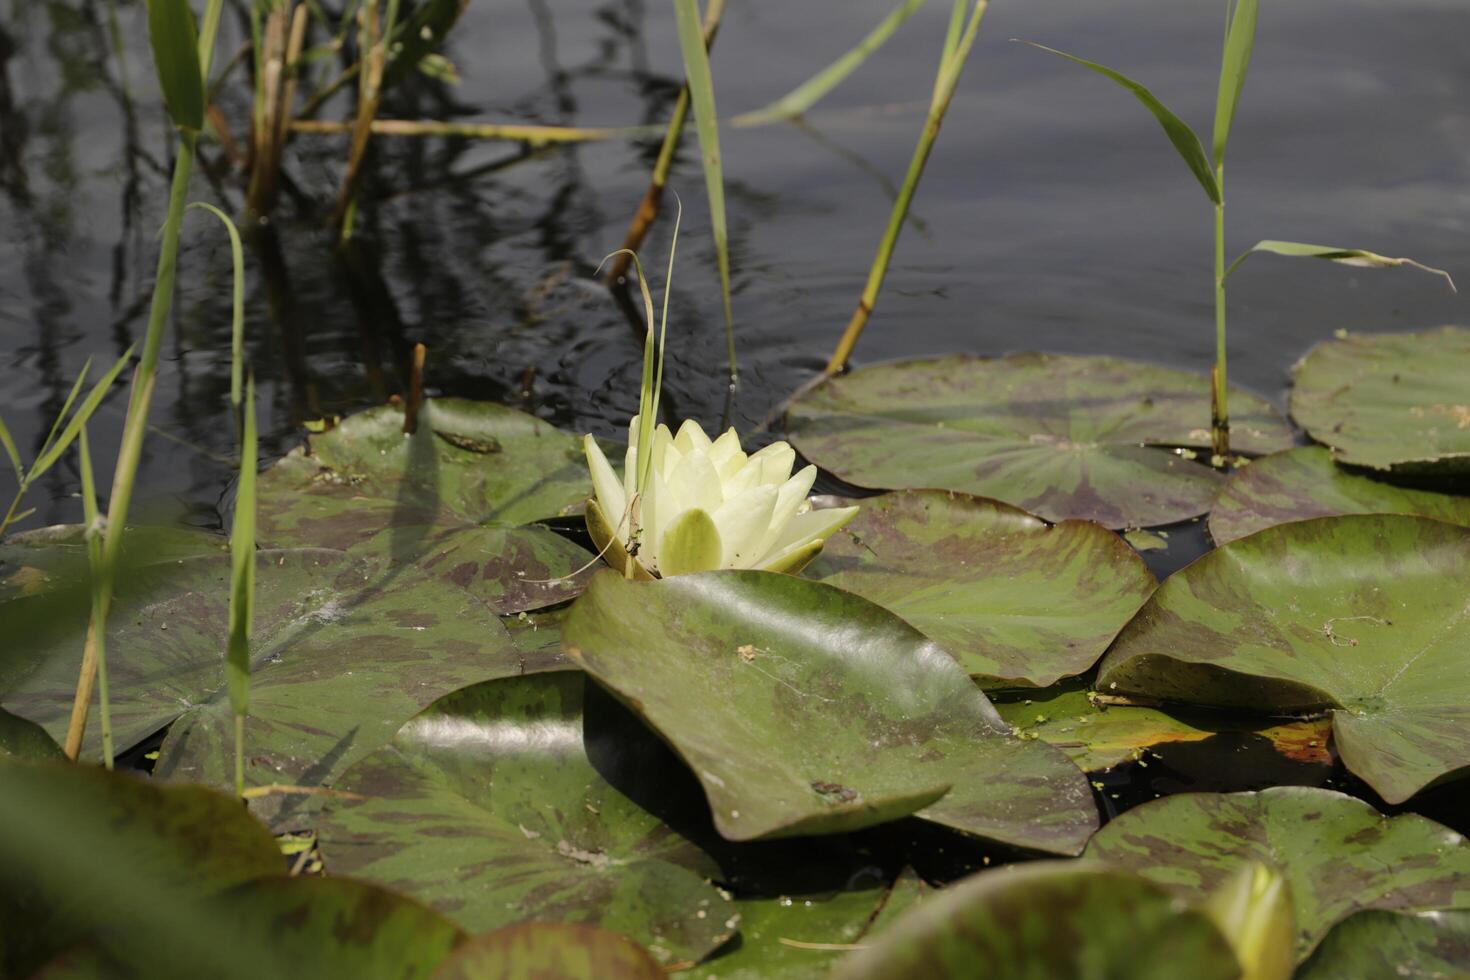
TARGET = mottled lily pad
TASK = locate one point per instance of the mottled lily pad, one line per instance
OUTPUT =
(81, 849)
(1390, 401)
(1097, 735)
(345, 650)
(1338, 853)
(1016, 601)
(487, 807)
(1373, 945)
(801, 937)
(546, 950)
(456, 498)
(1061, 436)
(1300, 484)
(1048, 919)
(23, 739)
(804, 709)
(54, 557)
(1365, 615)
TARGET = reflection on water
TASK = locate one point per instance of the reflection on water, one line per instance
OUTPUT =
(1053, 216)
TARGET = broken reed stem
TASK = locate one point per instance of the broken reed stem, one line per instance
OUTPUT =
(952, 64)
(265, 157)
(370, 93)
(652, 203)
(415, 391)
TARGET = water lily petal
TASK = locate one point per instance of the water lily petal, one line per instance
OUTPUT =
(665, 455)
(655, 509)
(630, 471)
(691, 544)
(810, 526)
(793, 559)
(725, 447)
(743, 522)
(789, 502)
(605, 482)
(691, 438)
(694, 482)
(608, 546)
(775, 462)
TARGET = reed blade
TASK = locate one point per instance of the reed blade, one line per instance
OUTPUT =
(175, 42)
(242, 578)
(1239, 42)
(237, 305)
(1359, 257)
(707, 126)
(814, 89)
(1188, 145)
(53, 450)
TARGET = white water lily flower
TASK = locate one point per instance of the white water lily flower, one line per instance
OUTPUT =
(707, 505)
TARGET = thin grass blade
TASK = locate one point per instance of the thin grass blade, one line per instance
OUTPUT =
(8, 442)
(96, 635)
(1239, 42)
(1188, 145)
(84, 412)
(663, 327)
(242, 565)
(237, 322)
(814, 89)
(175, 41)
(1359, 257)
(71, 398)
(707, 125)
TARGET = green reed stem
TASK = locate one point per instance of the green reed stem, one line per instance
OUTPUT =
(135, 427)
(952, 64)
(96, 638)
(1220, 409)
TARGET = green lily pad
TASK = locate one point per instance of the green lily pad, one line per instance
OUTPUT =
(1338, 853)
(1097, 735)
(1362, 615)
(336, 927)
(538, 636)
(1300, 484)
(1015, 600)
(81, 849)
(1389, 401)
(456, 498)
(56, 557)
(23, 739)
(287, 927)
(1044, 920)
(487, 807)
(1372, 945)
(344, 651)
(560, 950)
(795, 937)
(804, 709)
(1061, 436)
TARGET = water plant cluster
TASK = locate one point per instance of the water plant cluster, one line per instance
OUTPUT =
(466, 695)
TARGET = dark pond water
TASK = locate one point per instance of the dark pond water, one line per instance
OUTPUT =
(1054, 216)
